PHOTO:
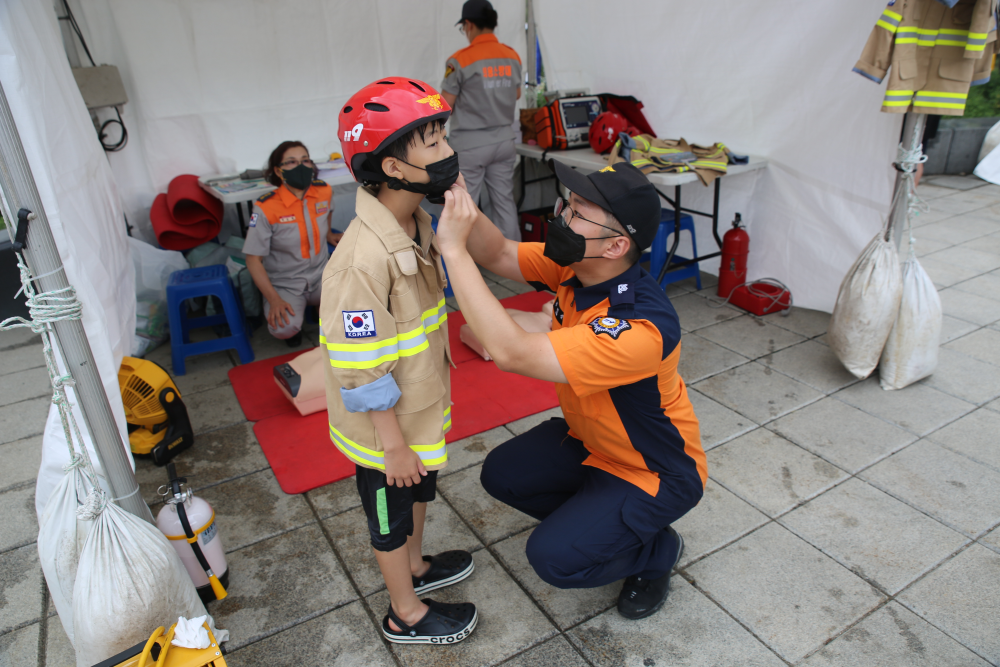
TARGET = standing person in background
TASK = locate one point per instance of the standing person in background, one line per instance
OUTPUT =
(482, 83)
(286, 241)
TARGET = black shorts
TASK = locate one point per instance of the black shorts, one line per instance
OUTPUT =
(390, 508)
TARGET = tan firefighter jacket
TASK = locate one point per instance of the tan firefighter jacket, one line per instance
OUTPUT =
(384, 326)
(651, 155)
(934, 52)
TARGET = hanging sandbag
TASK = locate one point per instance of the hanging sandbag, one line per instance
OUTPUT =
(866, 307)
(911, 352)
(129, 580)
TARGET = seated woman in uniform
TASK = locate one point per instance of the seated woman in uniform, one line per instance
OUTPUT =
(286, 242)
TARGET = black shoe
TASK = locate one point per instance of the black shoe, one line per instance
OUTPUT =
(442, 624)
(644, 597)
(295, 340)
(447, 568)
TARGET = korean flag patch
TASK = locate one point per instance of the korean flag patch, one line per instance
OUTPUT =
(610, 325)
(253, 220)
(359, 323)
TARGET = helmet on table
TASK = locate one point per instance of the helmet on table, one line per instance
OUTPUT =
(380, 113)
(605, 129)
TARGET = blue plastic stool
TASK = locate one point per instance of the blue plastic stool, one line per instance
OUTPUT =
(204, 281)
(658, 252)
(447, 288)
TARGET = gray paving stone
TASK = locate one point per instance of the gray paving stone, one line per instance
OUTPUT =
(344, 637)
(20, 647)
(986, 285)
(524, 425)
(23, 419)
(567, 607)
(964, 377)
(974, 435)
(694, 312)
(874, 535)
(751, 337)
(499, 291)
(812, 363)
(842, 434)
(944, 274)
(335, 498)
(793, 597)
(983, 344)
(893, 636)
(757, 392)
(278, 582)
(17, 338)
(987, 244)
(203, 372)
(926, 247)
(769, 472)
(952, 488)
(508, 622)
(20, 588)
(946, 183)
(21, 460)
(969, 307)
(557, 652)
(213, 409)
(515, 286)
(470, 451)
(20, 524)
(22, 385)
(489, 518)
(688, 631)
(720, 518)
(265, 346)
(928, 190)
(718, 424)
(21, 358)
(803, 321)
(257, 495)
(215, 457)
(991, 539)
(443, 531)
(960, 598)
(918, 408)
(58, 649)
(957, 229)
(962, 255)
(701, 358)
(952, 328)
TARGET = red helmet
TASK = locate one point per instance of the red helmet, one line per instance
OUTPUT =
(380, 113)
(605, 129)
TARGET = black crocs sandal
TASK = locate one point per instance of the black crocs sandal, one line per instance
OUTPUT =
(442, 624)
(447, 568)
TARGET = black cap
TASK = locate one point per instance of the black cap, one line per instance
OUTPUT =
(624, 191)
(474, 10)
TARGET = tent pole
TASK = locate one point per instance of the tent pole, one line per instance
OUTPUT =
(532, 100)
(913, 132)
(19, 190)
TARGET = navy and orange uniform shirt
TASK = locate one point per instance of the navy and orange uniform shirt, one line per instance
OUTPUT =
(290, 234)
(484, 77)
(618, 344)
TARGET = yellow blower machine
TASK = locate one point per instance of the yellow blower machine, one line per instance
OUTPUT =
(158, 423)
(159, 652)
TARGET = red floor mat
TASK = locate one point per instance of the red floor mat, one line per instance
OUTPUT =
(299, 448)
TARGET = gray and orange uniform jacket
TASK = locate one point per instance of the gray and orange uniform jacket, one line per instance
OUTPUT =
(935, 53)
(290, 234)
(384, 326)
(484, 77)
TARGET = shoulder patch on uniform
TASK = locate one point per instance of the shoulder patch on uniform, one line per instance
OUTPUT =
(317, 181)
(449, 70)
(610, 325)
(359, 323)
(253, 220)
(266, 195)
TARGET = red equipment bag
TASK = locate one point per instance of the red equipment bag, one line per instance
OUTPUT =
(630, 108)
(549, 130)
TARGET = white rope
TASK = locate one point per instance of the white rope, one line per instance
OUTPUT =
(907, 161)
(715, 302)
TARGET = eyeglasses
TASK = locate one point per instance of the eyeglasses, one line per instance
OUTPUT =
(292, 163)
(559, 213)
(461, 27)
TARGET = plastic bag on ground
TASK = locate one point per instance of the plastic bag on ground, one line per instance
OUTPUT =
(152, 272)
(129, 582)
(911, 352)
(61, 536)
(866, 307)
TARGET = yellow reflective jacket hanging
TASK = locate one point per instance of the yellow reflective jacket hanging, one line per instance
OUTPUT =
(934, 53)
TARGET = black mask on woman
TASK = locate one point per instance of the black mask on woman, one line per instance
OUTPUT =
(300, 178)
(564, 246)
(443, 174)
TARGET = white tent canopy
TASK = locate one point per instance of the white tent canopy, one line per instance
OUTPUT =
(214, 86)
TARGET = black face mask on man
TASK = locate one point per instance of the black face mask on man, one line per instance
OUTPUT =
(300, 178)
(443, 175)
(564, 246)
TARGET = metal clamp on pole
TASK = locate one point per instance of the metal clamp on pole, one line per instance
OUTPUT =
(24, 216)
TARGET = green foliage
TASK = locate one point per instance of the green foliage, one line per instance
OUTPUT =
(984, 101)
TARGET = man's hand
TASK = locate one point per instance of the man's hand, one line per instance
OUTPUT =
(403, 467)
(457, 219)
(280, 313)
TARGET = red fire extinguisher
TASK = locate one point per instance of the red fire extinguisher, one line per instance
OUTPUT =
(733, 269)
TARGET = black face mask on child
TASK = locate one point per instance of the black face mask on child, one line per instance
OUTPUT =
(443, 175)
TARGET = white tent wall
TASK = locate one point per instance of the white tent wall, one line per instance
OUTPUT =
(771, 79)
(215, 85)
(80, 198)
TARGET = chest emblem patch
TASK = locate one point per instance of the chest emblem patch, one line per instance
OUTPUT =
(610, 325)
(359, 323)
(322, 207)
(253, 220)
(287, 218)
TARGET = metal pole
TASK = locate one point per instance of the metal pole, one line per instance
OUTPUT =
(532, 101)
(913, 132)
(18, 187)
